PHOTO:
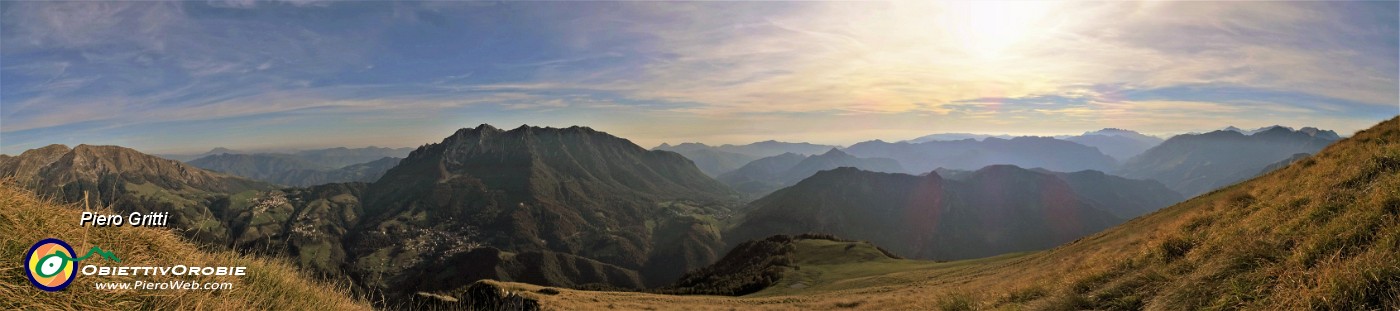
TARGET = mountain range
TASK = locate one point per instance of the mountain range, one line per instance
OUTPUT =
(1193, 164)
(1311, 131)
(763, 176)
(188, 157)
(954, 137)
(1120, 144)
(968, 154)
(322, 158)
(760, 149)
(1319, 233)
(292, 170)
(711, 161)
(262, 166)
(568, 207)
(717, 160)
(578, 208)
(1117, 143)
(130, 181)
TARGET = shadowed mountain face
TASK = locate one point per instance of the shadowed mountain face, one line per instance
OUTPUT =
(710, 160)
(995, 210)
(833, 159)
(1049, 153)
(572, 191)
(1197, 163)
(762, 176)
(285, 169)
(1122, 197)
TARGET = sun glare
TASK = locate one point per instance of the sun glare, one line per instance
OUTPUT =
(989, 29)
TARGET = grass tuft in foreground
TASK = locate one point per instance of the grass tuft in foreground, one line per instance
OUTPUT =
(25, 218)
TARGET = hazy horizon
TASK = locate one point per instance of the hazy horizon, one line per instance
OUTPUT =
(189, 150)
(184, 77)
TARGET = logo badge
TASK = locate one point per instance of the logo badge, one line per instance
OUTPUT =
(49, 264)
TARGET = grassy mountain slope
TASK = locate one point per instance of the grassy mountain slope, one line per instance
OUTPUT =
(270, 285)
(1322, 233)
(783, 263)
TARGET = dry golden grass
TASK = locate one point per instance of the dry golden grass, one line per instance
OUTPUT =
(1323, 233)
(25, 219)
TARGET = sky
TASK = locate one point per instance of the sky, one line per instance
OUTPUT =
(184, 77)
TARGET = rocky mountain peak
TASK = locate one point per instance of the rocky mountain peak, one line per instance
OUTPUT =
(1320, 133)
(25, 166)
(1111, 131)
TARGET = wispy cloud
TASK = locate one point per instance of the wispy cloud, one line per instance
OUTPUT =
(885, 57)
(705, 71)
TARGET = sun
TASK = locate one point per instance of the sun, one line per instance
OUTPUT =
(990, 28)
